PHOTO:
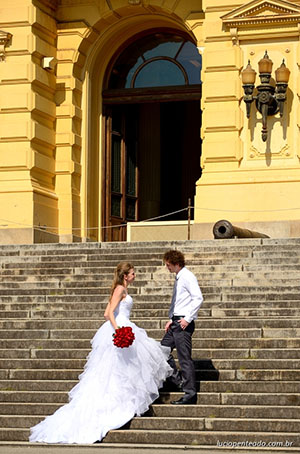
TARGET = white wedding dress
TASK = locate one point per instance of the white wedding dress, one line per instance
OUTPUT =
(116, 384)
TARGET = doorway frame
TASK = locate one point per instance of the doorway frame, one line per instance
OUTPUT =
(133, 96)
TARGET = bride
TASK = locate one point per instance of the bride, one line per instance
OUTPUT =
(116, 384)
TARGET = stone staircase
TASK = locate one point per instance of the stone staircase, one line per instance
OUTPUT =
(246, 343)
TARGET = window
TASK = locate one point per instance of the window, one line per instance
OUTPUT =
(157, 60)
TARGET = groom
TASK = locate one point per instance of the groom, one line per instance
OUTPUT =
(186, 301)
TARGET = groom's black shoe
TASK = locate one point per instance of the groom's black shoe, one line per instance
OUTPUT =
(185, 400)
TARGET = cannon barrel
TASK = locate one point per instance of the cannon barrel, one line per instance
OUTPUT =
(224, 229)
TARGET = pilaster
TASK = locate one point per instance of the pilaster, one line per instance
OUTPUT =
(69, 132)
(27, 123)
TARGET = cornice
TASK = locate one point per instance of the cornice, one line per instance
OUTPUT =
(262, 13)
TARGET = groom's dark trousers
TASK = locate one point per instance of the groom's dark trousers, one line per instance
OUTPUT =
(181, 339)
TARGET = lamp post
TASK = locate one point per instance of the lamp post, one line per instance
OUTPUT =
(269, 99)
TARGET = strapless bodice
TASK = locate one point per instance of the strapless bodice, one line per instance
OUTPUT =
(124, 308)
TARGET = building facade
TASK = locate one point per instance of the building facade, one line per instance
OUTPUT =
(117, 111)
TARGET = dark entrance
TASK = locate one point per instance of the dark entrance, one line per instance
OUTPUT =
(152, 135)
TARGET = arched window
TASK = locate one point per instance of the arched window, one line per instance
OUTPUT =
(157, 60)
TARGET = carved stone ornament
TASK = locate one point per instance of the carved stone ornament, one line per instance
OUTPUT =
(5, 38)
(262, 13)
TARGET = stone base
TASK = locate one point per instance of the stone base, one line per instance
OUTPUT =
(70, 239)
(277, 229)
(27, 236)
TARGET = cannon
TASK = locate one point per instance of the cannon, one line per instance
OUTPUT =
(224, 230)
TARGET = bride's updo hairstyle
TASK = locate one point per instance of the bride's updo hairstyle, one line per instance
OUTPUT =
(121, 271)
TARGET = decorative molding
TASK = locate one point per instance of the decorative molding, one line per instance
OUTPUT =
(262, 13)
(5, 38)
(234, 36)
(281, 153)
(134, 2)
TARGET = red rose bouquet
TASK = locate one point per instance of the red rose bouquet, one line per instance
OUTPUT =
(123, 337)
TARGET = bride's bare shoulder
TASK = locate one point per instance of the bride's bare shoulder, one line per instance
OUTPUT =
(120, 290)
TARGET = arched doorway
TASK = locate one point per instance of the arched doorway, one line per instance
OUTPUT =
(152, 130)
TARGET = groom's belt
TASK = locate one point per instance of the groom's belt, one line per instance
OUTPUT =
(177, 317)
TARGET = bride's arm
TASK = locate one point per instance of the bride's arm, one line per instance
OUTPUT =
(117, 296)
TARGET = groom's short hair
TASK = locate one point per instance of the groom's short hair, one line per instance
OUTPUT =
(175, 257)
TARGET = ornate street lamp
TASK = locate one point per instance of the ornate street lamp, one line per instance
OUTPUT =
(269, 99)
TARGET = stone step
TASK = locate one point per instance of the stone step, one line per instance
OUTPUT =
(145, 279)
(211, 343)
(241, 245)
(81, 292)
(235, 386)
(62, 309)
(77, 353)
(153, 252)
(205, 386)
(199, 410)
(232, 290)
(87, 314)
(154, 274)
(130, 253)
(40, 304)
(145, 286)
(141, 259)
(273, 399)
(197, 437)
(260, 289)
(270, 312)
(282, 267)
(219, 364)
(251, 304)
(180, 423)
(269, 296)
(222, 424)
(76, 268)
(239, 333)
(211, 374)
(262, 375)
(192, 245)
(91, 268)
(210, 294)
(178, 438)
(26, 333)
(180, 244)
(226, 411)
(224, 324)
(90, 261)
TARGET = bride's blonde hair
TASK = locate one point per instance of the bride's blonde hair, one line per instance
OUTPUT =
(121, 271)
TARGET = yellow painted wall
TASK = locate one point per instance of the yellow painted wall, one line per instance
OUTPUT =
(51, 131)
(246, 180)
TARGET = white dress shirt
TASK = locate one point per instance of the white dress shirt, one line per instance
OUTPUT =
(188, 295)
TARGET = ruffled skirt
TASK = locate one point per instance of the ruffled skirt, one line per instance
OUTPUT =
(116, 385)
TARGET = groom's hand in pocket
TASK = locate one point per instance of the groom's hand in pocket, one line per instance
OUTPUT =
(168, 324)
(183, 323)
